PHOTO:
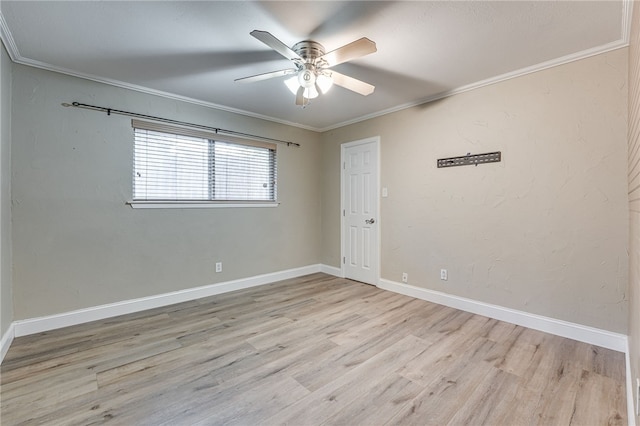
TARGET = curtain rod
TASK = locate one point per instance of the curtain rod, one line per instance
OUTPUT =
(110, 111)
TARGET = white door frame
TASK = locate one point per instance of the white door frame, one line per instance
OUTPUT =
(343, 147)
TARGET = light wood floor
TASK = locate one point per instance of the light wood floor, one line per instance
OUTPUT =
(309, 351)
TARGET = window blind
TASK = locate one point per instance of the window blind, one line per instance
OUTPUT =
(180, 164)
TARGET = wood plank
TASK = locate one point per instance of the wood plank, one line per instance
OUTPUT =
(310, 350)
(341, 392)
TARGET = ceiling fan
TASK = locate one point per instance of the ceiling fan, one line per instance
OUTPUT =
(312, 74)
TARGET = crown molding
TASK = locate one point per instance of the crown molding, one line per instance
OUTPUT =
(627, 11)
(149, 91)
(493, 80)
(14, 54)
(625, 36)
(627, 15)
(7, 39)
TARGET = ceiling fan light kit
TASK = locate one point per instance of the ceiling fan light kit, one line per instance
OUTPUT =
(313, 83)
(312, 75)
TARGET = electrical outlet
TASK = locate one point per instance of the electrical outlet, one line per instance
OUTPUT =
(444, 275)
(405, 277)
(218, 267)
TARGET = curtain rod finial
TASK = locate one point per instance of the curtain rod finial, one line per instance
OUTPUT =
(66, 105)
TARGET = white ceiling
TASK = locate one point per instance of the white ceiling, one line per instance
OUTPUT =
(195, 50)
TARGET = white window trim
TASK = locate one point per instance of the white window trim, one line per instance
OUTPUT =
(204, 204)
(198, 204)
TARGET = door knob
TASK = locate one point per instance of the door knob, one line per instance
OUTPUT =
(370, 221)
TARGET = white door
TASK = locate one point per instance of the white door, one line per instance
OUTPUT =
(360, 222)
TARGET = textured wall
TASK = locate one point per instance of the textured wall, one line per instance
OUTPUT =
(545, 231)
(6, 297)
(634, 197)
(76, 243)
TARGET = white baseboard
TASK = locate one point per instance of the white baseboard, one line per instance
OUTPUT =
(631, 404)
(331, 270)
(5, 342)
(52, 322)
(574, 331)
(582, 333)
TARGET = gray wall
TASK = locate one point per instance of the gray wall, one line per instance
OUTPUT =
(6, 296)
(75, 242)
(544, 231)
(634, 200)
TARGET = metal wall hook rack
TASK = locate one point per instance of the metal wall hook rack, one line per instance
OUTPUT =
(467, 160)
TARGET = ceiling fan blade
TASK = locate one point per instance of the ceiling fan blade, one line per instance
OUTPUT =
(352, 84)
(300, 97)
(353, 50)
(275, 44)
(266, 76)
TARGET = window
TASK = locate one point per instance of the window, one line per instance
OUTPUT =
(174, 164)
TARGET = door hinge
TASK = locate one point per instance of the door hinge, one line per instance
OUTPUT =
(344, 260)
(344, 213)
(344, 165)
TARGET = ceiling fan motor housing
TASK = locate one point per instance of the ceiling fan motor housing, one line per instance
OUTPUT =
(309, 50)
